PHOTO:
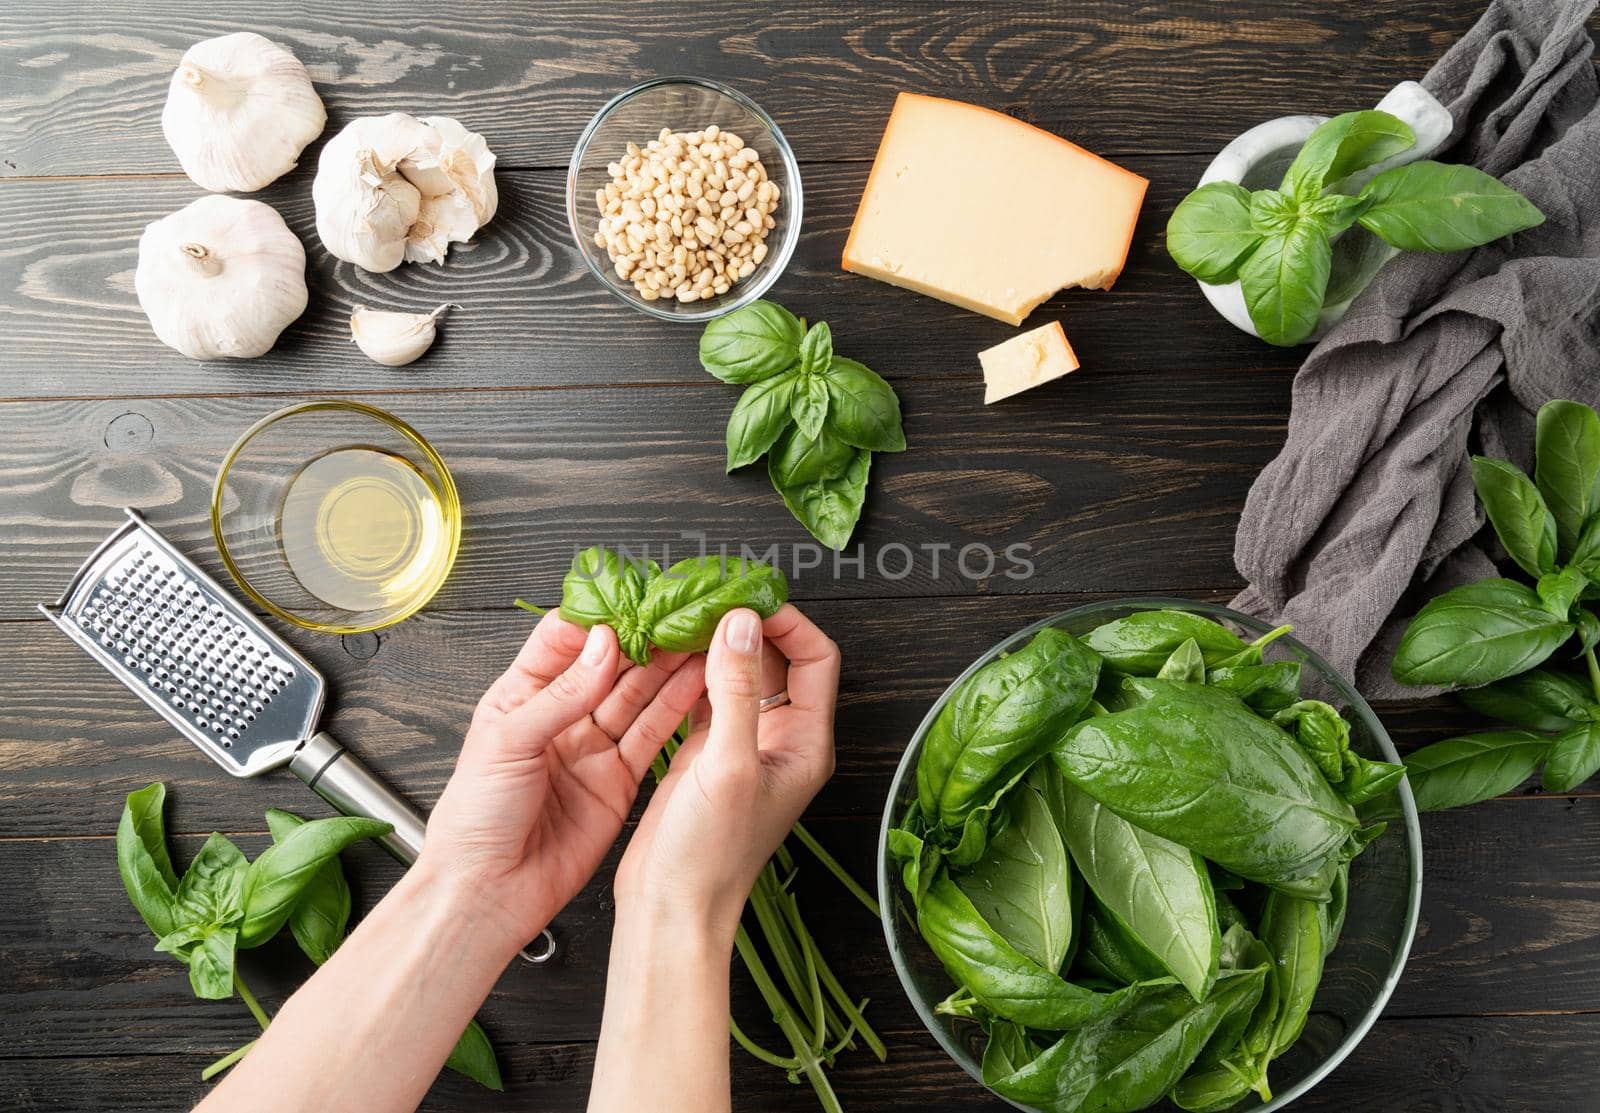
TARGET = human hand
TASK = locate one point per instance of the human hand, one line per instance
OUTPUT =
(550, 768)
(741, 778)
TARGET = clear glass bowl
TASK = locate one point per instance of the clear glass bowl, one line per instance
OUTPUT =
(271, 547)
(1385, 882)
(682, 104)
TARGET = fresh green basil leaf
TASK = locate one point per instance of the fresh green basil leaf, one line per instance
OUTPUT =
(1009, 1049)
(1538, 700)
(1159, 890)
(211, 964)
(750, 344)
(276, 879)
(816, 349)
(1229, 786)
(682, 606)
(1284, 281)
(1461, 771)
(1478, 633)
(1209, 233)
(1020, 885)
(759, 419)
(473, 1057)
(1272, 213)
(1210, 1090)
(1322, 733)
(602, 587)
(863, 409)
(211, 891)
(999, 721)
(808, 405)
(321, 914)
(796, 460)
(1586, 553)
(1366, 780)
(919, 861)
(181, 942)
(1004, 980)
(1240, 951)
(1429, 206)
(1264, 688)
(1335, 212)
(1291, 928)
(1518, 513)
(1334, 911)
(1588, 630)
(1187, 664)
(1343, 145)
(1574, 757)
(1110, 952)
(823, 482)
(1567, 468)
(143, 861)
(1560, 590)
(1141, 643)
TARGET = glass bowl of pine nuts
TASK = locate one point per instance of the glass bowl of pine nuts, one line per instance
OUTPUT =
(684, 198)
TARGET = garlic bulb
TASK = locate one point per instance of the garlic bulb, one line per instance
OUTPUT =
(239, 111)
(392, 189)
(394, 339)
(221, 277)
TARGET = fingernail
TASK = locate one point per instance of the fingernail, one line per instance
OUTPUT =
(594, 647)
(744, 632)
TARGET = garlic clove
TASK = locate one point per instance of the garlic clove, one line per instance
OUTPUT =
(394, 339)
(239, 111)
(221, 278)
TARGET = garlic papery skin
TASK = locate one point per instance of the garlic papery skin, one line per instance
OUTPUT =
(239, 111)
(394, 339)
(221, 278)
(392, 189)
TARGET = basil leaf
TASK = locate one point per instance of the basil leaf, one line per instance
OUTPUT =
(1558, 591)
(1020, 884)
(1284, 281)
(1537, 700)
(823, 482)
(1478, 633)
(211, 963)
(319, 917)
(919, 861)
(1008, 1050)
(808, 405)
(1567, 467)
(1272, 213)
(603, 588)
(1228, 784)
(1335, 212)
(682, 606)
(1586, 552)
(863, 409)
(1004, 980)
(1263, 688)
(1574, 757)
(797, 459)
(1141, 643)
(1186, 665)
(750, 344)
(1160, 891)
(1343, 145)
(1291, 929)
(1429, 206)
(276, 879)
(1367, 780)
(1111, 952)
(182, 941)
(473, 1056)
(1588, 630)
(759, 419)
(1473, 767)
(999, 722)
(1517, 511)
(143, 861)
(816, 350)
(211, 891)
(1321, 732)
(1209, 233)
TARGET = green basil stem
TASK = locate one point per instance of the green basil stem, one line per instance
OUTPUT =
(766, 901)
(836, 869)
(527, 606)
(226, 1061)
(1271, 636)
(810, 1061)
(1594, 671)
(250, 1001)
(852, 1011)
(755, 1049)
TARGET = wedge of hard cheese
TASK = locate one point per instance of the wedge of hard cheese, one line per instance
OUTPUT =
(1025, 361)
(983, 211)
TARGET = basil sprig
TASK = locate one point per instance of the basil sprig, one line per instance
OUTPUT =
(1277, 242)
(1495, 636)
(224, 903)
(817, 417)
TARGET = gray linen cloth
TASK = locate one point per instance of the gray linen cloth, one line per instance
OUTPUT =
(1369, 509)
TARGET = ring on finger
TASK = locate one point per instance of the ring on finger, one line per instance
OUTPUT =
(777, 699)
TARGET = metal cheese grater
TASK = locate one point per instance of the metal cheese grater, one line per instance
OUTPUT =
(215, 672)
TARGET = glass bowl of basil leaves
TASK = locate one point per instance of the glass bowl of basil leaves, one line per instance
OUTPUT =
(1149, 853)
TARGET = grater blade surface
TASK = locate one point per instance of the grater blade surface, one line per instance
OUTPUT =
(179, 641)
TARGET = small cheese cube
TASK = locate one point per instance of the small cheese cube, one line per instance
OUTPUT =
(983, 211)
(1026, 360)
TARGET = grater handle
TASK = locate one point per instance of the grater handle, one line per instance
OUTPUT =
(340, 778)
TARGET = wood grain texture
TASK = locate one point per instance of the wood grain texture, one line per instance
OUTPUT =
(531, 313)
(86, 83)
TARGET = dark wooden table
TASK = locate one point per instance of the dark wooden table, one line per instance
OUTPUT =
(570, 418)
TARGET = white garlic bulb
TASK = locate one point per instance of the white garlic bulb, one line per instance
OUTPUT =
(394, 339)
(392, 189)
(239, 111)
(221, 277)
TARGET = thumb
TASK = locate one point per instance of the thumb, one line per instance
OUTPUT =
(575, 692)
(733, 686)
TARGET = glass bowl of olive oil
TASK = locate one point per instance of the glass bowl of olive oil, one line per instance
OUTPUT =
(336, 516)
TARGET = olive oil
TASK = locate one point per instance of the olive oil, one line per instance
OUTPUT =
(363, 529)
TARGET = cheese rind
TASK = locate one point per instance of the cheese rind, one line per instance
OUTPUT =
(1026, 360)
(975, 208)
